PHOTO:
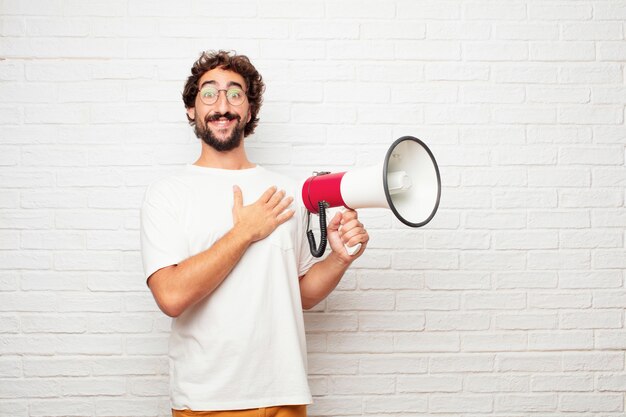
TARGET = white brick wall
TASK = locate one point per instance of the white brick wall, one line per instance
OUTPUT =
(510, 303)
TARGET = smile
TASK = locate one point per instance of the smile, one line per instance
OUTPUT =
(223, 123)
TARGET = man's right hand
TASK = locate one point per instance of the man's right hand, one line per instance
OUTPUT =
(262, 217)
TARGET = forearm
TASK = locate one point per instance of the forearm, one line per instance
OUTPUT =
(196, 277)
(321, 280)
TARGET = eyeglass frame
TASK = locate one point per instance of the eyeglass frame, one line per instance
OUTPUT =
(225, 90)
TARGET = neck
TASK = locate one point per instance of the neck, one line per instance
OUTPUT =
(234, 159)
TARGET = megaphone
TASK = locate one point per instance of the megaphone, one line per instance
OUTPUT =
(406, 181)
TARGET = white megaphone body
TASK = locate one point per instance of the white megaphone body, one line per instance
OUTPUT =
(406, 181)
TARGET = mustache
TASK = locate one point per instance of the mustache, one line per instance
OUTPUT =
(216, 116)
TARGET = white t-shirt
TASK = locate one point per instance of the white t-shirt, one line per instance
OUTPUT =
(244, 345)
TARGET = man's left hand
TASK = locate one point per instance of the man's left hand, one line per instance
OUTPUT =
(345, 228)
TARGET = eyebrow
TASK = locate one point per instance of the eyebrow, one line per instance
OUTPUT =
(230, 84)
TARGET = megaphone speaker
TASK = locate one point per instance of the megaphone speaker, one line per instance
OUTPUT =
(406, 181)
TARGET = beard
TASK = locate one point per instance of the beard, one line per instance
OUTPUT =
(229, 143)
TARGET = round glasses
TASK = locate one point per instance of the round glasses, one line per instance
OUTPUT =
(210, 94)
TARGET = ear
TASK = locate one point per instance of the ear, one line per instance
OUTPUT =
(249, 116)
(191, 112)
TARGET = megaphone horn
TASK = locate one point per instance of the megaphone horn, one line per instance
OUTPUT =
(407, 182)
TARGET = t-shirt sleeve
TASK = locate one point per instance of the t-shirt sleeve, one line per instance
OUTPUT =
(163, 241)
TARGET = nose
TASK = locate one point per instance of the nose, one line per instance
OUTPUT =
(222, 105)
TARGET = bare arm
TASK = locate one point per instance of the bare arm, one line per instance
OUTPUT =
(175, 288)
(324, 276)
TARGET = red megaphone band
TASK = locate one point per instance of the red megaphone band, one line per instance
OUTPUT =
(325, 187)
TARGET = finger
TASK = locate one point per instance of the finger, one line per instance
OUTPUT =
(267, 194)
(334, 223)
(276, 198)
(361, 238)
(284, 203)
(348, 215)
(347, 235)
(237, 197)
(346, 226)
(284, 216)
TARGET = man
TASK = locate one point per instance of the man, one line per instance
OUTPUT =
(225, 255)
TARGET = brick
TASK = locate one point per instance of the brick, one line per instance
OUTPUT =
(528, 362)
(526, 321)
(425, 260)
(591, 279)
(496, 383)
(330, 322)
(593, 361)
(612, 382)
(610, 339)
(360, 343)
(429, 384)
(524, 73)
(450, 71)
(562, 51)
(494, 220)
(607, 319)
(392, 365)
(608, 299)
(391, 322)
(492, 94)
(389, 280)
(526, 402)
(52, 324)
(428, 50)
(119, 407)
(494, 342)
(332, 406)
(571, 259)
(55, 367)
(10, 368)
(396, 404)
(436, 321)
(457, 280)
(558, 95)
(559, 11)
(473, 363)
(458, 30)
(353, 385)
(427, 342)
(390, 30)
(559, 134)
(526, 240)
(449, 10)
(557, 219)
(495, 51)
(611, 51)
(514, 280)
(592, 402)
(559, 300)
(559, 177)
(149, 387)
(427, 301)
(323, 364)
(378, 300)
(527, 31)
(460, 403)
(493, 261)
(560, 341)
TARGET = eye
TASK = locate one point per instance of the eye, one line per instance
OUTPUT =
(235, 93)
(208, 92)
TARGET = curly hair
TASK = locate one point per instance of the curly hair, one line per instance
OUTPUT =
(232, 62)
